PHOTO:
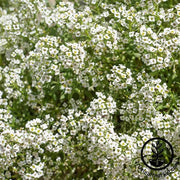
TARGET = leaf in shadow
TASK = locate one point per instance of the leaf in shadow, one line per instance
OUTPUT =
(160, 152)
(159, 145)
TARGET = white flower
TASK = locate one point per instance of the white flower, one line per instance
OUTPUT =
(123, 143)
(175, 175)
(101, 140)
(151, 18)
(167, 125)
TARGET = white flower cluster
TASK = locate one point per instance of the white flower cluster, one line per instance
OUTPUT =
(120, 77)
(83, 85)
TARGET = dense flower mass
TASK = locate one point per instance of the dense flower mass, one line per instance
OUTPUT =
(84, 84)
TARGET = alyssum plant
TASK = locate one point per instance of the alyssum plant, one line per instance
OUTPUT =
(83, 85)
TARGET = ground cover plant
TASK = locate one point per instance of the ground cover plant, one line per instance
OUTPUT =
(84, 84)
